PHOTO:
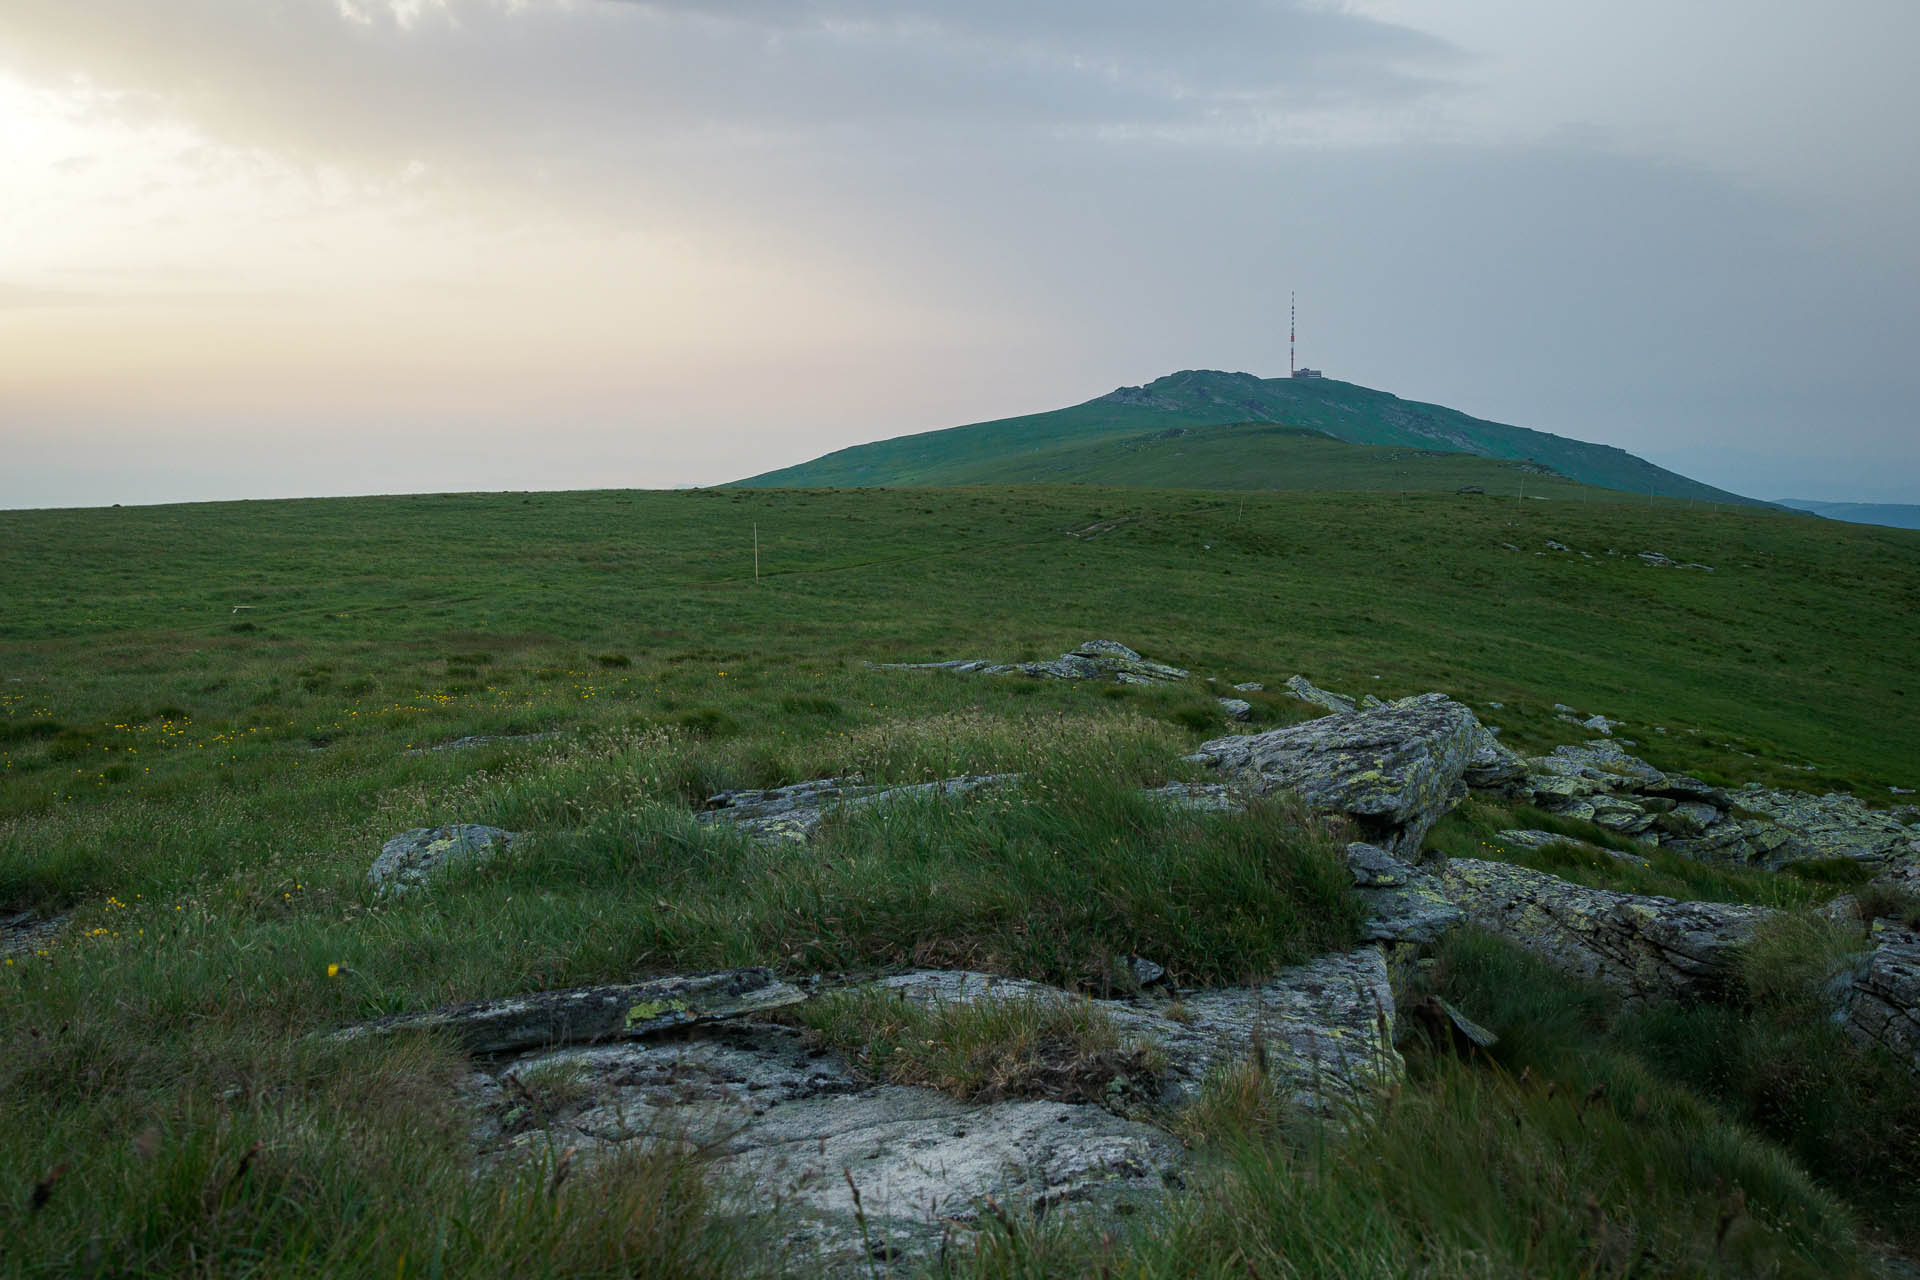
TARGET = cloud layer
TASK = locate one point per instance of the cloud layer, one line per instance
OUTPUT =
(645, 242)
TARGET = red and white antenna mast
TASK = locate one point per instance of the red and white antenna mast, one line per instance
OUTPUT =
(1292, 319)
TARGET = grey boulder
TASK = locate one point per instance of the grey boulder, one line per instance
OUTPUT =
(412, 858)
(1394, 770)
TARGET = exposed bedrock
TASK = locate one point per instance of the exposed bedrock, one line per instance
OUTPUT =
(1393, 769)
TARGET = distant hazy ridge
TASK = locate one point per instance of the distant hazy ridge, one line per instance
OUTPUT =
(1895, 515)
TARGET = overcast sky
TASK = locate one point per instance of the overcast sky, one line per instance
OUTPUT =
(255, 248)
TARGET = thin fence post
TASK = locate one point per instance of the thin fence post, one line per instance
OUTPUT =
(756, 551)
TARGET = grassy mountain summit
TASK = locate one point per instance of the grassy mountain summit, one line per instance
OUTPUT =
(1078, 443)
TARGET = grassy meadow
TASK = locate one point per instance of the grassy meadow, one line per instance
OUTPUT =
(212, 715)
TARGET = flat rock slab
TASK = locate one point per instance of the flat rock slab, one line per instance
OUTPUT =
(1094, 660)
(794, 813)
(412, 858)
(792, 1132)
(1394, 769)
(592, 1014)
(1325, 1027)
(1642, 947)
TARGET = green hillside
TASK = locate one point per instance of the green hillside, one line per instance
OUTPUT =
(213, 715)
(1264, 455)
(1009, 450)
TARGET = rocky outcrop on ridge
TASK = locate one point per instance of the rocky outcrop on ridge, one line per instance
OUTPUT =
(1600, 782)
(412, 858)
(796, 1133)
(1642, 947)
(1094, 660)
(858, 1171)
(1394, 769)
(795, 812)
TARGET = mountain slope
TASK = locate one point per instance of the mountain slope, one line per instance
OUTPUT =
(1895, 515)
(1003, 451)
(1255, 455)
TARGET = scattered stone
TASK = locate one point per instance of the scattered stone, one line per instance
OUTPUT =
(411, 858)
(1303, 689)
(1642, 947)
(795, 812)
(590, 1015)
(483, 740)
(1599, 724)
(1254, 686)
(1144, 972)
(1557, 546)
(1394, 770)
(1563, 707)
(1094, 660)
(1236, 708)
(1659, 561)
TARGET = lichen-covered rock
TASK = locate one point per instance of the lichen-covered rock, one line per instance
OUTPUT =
(593, 1014)
(1303, 689)
(1394, 770)
(1325, 1028)
(794, 813)
(411, 858)
(1094, 660)
(1493, 764)
(1642, 947)
(794, 1135)
(1832, 826)
(1404, 903)
(1236, 708)
(1878, 1001)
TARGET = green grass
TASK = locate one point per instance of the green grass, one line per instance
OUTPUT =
(204, 791)
(1104, 440)
(990, 1050)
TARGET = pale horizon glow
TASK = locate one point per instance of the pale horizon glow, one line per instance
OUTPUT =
(272, 248)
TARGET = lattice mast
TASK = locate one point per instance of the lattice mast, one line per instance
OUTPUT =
(1293, 318)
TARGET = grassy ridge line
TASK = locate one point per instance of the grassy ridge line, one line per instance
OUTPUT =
(1003, 451)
